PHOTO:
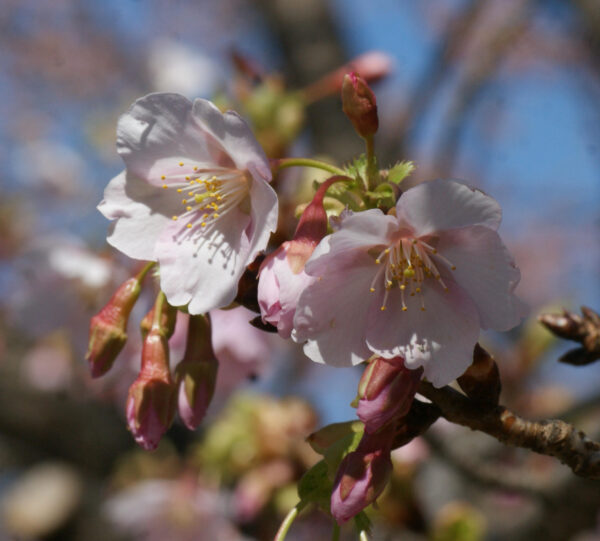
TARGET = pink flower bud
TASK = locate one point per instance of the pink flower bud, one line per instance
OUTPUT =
(107, 328)
(151, 400)
(386, 391)
(282, 278)
(359, 104)
(362, 476)
(196, 374)
(371, 66)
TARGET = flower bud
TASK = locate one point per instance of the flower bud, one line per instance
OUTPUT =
(151, 400)
(196, 374)
(359, 104)
(108, 328)
(566, 325)
(362, 476)
(282, 278)
(168, 317)
(481, 381)
(385, 392)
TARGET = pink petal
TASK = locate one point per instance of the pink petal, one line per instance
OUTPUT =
(158, 131)
(436, 205)
(202, 269)
(234, 135)
(263, 213)
(440, 339)
(358, 231)
(331, 313)
(142, 212)
(486, 271)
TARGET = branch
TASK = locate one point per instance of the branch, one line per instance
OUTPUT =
(551, 437)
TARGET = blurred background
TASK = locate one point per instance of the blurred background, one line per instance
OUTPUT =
(501, 93)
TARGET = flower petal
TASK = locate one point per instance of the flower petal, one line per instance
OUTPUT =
(159, 131)
(486, 271)
(440, 339)
(330, 314)
(141, 212)
(358, 231)
(234, 135)
(264, 213)
(436, 205)
(202, 269)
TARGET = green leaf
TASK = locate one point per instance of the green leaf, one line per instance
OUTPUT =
(358, 168)
(323, 438)
(400, 171)
(316, 486)
(336, 452)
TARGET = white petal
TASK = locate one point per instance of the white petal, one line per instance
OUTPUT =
(234, 135)
(486, 271)
(436, 205)
(331, 314)
(202, 269)
(141, 212)
(440, 339)
(264, 213)
(359, 231)
(159, 131)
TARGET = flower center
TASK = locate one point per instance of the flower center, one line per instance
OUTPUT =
(406, 265)
(207, 194)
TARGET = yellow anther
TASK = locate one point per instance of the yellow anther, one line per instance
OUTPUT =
(195, 168)
(163, 177)
(184, 201)
(174, 217)
(453, 267)
(372, 289)
(190, 194)
(189, 226)
(180, 164)
(422, 309)
(188, 208)
(187, 177)
(203, 224)
(179, 190)
(409, 273)
(165, 186)
(404, 308)
(191, 181)
(377, 261)
(382, 308)
(387, 251)
(434, 251)
(402, 287)
(418, 290)
(215, 215)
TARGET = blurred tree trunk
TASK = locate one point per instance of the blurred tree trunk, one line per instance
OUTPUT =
(308, 39)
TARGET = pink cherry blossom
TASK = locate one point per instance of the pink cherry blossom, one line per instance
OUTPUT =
(195, 197)
(417, 283)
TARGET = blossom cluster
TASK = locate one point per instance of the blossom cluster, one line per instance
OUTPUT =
(403, 282)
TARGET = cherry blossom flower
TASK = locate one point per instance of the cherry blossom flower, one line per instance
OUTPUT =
(195, 197)
(418, 283)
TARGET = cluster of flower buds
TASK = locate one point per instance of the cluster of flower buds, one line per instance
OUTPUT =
(584, 329)
(155, 395)
(385, 395)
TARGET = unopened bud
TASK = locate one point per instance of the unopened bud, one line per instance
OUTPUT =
(385, 392)
(362, 476)
(196, 374)
(481, 381)
(151, 400)
(168, 317)
(108, 328)
(579, 357)
(359, 104)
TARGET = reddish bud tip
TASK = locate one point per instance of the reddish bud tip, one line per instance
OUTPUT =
(108, 328)
(151, 400)
(361, 477)
(196, 374)
(359, 104)
(385, 392)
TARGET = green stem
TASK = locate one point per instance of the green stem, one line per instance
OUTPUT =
(305, 162)
(142, 274)
(158, 307)
(286, 524)
(335, 535)
(372, 171)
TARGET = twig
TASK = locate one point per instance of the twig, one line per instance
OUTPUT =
(550, 437)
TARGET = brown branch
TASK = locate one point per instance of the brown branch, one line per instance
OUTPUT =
(550, 437)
